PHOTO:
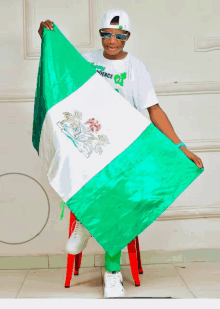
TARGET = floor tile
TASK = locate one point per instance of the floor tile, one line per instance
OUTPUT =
(207, 294)
(177, 280)
(13, 276)
(11, 282)
(160, 280)
(9, 290)
(202, 278)
(49, 283)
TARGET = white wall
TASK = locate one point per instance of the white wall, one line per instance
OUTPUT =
(179, 41)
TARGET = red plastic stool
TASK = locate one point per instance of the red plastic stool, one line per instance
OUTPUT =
(133, 251)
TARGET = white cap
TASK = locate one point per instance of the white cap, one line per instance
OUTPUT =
(124, 20)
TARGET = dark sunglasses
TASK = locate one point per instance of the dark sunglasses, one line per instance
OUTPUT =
(108, 35)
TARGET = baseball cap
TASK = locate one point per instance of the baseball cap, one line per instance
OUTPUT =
(124, 20)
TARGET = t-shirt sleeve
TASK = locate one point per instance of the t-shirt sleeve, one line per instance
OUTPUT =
(142, 86)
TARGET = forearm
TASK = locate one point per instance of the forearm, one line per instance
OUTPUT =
(161, 121)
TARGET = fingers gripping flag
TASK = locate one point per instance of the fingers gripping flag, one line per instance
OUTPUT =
(111, 166)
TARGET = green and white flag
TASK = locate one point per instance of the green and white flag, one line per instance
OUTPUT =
(111, 166)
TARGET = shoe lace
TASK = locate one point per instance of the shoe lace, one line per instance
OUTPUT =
(114, 279)
(77, 231)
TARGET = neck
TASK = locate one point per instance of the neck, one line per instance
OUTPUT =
(120, 55)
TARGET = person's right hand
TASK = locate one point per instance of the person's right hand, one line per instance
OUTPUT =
(47, 24)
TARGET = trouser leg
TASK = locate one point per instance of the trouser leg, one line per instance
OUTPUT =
(113, 263)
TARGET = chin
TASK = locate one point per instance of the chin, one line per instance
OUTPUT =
(112, 52)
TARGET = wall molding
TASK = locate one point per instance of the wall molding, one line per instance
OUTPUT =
(190, 212)
(204, 43)
(27, 95)
(187, 88)
(31, 52)
(202, 145)
(16, 95)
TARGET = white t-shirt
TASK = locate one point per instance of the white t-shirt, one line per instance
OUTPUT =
(129, 76)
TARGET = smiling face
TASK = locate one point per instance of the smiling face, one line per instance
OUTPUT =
(113, 48)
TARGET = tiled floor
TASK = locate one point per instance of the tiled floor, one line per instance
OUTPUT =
(176, 280)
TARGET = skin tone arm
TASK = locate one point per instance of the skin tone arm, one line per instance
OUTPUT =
(161, 121)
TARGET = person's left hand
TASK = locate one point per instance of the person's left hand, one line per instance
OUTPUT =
(192, 157)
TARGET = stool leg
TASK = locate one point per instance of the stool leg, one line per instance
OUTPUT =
(76, 272)
(133, 262)
(140, 269)
(80, 259)
(69, 269)
(70, 257)
(77, 263)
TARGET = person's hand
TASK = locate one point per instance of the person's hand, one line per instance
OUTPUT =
(47, 24)
(192, 157)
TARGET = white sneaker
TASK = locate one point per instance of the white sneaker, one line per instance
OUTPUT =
(113, 284)
(78, 240)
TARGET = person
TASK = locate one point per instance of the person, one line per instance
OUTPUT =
(131, 78)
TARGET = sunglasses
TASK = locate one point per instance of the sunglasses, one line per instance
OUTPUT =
(108, 35)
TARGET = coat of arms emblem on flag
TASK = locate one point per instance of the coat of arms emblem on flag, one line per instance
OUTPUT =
(114, 169)
(84, 136)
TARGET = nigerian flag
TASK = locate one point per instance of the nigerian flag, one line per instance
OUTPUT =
(111, 166)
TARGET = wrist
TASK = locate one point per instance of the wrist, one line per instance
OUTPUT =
(182, 146)
(184, 149)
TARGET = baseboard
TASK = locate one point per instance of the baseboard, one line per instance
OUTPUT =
(98, 260)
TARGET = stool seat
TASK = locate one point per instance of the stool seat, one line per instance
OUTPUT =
(133, 252)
